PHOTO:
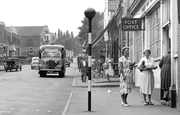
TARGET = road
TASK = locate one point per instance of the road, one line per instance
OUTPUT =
(25, 93)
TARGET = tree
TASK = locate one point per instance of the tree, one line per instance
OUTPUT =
(97, 28)
(69, 41)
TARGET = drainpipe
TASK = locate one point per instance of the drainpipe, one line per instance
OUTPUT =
(174, 38)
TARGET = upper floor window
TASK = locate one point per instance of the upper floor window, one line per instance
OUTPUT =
(155, 41)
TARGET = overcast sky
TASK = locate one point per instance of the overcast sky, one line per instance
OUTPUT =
(56, 14)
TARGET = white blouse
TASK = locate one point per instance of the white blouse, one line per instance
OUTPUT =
(148, 62)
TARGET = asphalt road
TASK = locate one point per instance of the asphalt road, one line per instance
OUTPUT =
(25, 93)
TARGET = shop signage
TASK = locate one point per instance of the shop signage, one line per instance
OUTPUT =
(113, 5)
(132, 24)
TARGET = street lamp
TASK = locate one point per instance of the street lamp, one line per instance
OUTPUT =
(89, 13)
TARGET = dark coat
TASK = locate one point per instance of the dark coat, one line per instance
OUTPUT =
(165, 65)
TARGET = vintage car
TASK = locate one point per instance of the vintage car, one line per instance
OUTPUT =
(12, 63)
(35, 62)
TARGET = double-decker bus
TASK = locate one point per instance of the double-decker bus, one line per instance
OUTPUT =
(52, 59)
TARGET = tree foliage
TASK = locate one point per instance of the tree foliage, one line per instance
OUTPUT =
(97, 27)
(68, 40)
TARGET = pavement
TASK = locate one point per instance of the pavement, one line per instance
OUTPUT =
(106, 100)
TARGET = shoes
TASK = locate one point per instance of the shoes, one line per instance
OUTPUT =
(146, 103)
(150, 103)
(125, 105)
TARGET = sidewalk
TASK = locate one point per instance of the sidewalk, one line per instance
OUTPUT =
(96, 81)
(104, 103)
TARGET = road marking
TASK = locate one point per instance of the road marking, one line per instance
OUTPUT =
(67, 104)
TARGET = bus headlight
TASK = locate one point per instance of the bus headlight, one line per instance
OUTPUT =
(41, 66)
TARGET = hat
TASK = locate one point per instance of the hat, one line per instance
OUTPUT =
(124, 48)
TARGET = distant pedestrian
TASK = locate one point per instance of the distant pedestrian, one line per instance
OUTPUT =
(100, 65)
(147, 76)
(165, 65)
(109, 70)
(125, 76)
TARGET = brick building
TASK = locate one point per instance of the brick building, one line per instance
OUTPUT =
(32, 37)
(9, 39)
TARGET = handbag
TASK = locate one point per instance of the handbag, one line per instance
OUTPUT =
(142, 66)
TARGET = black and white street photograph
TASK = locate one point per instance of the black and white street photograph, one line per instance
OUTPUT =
(89, 57)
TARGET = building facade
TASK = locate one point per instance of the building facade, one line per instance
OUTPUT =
(9, 39)
(32, 37)
(160, 34)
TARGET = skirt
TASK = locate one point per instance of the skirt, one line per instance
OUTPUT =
(147, 82)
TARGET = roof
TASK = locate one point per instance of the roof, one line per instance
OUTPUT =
(51, 46)
(29, 30)
(13, 29)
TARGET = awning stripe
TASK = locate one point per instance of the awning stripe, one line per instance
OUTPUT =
(101, 35)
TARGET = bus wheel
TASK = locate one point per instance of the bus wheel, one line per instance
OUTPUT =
(41, 75)
(61, 74)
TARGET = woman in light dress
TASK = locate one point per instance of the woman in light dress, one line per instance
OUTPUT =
(147, 76)
(125, 76)
(110, 69)
(109, 72)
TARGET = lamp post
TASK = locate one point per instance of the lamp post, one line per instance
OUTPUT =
(89, 13)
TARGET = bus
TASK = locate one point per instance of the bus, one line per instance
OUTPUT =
(52, 59)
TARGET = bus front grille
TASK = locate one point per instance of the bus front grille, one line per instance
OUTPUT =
(51, 64)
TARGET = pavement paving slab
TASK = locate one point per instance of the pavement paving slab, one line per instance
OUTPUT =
(106, 102)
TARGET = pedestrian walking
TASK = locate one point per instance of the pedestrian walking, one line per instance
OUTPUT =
(165, 65)
(125, 76)
(110, 63)
(84, 68)
(100, 65)
(146, 65)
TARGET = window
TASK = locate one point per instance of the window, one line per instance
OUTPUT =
(155, 41)
(166, 11)
(138, 36)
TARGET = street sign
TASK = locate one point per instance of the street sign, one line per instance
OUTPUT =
(113, 5)
(132, 24)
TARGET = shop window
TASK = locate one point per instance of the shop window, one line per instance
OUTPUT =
(155, 41)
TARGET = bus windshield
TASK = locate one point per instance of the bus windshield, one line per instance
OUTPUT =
(51, 53)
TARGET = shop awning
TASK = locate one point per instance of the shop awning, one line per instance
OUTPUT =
(101, 35)
(12, 48)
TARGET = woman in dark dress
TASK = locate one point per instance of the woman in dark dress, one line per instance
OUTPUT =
(165, 65)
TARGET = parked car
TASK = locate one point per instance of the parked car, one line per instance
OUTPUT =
(68, 62)
(34, 62)
(12, 63)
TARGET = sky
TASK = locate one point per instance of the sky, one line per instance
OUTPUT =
(56, 14)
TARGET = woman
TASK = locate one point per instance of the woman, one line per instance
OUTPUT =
(147, 76)
(165, 65)
(110, 69)
(125, 76)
